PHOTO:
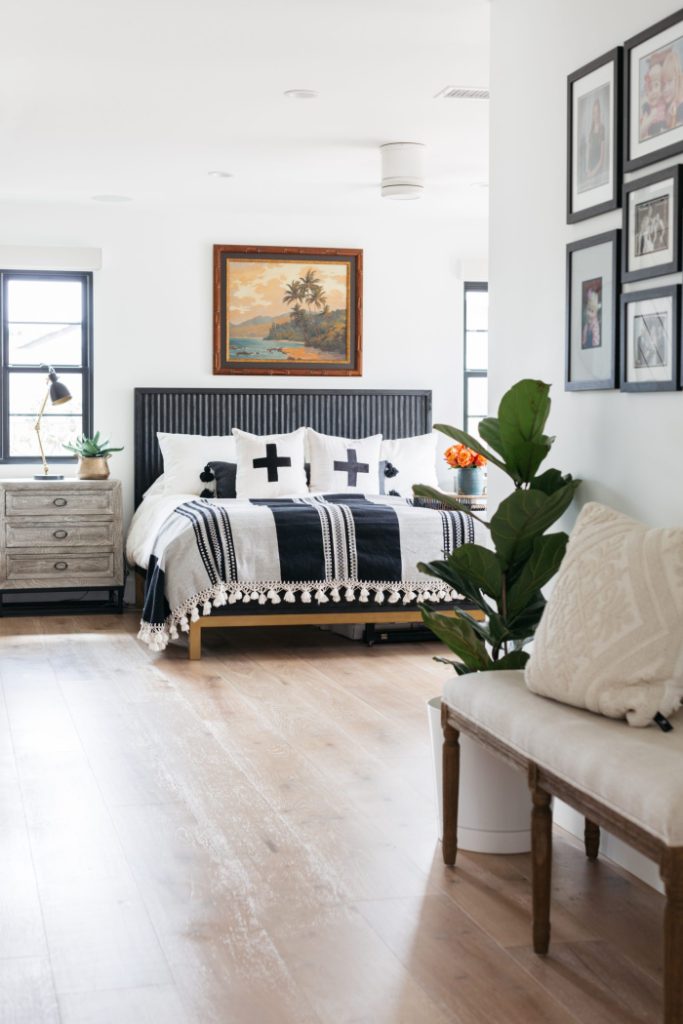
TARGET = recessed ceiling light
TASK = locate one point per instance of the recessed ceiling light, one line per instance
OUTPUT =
(112, 199)
(301, 94)
(463, 92)
(221, 174)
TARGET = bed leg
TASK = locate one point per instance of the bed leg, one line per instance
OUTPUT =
(194, 646)
(541, 862)
(591, 839)
(451, 787)
(672, 876)
(139, 590)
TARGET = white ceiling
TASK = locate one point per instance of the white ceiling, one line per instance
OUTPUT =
(144, 97)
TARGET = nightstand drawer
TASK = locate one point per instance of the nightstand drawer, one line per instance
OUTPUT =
(49, 501)
(65, 567)
(26, 533)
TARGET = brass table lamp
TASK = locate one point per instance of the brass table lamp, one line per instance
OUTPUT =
(56, 393)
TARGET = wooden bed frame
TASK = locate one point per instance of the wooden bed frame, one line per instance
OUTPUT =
(348, 412)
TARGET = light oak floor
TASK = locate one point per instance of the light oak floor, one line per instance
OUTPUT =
(250, 840)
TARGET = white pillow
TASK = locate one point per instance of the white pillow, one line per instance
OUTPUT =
(185, 456)
(407, 461)
(158, 487)
(341, 465)
(611, 636)
(270, 466)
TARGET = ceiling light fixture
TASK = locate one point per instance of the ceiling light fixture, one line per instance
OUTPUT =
(220, 174)
(112, 199)
(402, 170)
(463, 92)
(301, 94)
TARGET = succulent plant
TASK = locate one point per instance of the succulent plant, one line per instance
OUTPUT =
(91, 447)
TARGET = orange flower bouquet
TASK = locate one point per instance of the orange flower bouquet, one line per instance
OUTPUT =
(459, 456)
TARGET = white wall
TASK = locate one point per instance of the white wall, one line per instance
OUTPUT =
(626, 447)
(153, 297)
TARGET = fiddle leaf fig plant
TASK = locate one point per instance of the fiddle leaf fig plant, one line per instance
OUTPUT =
(91, 447)
(505, 582)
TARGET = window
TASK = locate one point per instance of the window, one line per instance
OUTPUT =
(46, 320)
(476, 354)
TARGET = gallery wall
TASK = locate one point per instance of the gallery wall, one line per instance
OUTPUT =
(626, 447)
(153, 297)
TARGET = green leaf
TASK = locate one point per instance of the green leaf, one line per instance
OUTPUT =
(523, 515)
(458, 634)
(422, 491)
(550, 481)
(523, 411)
(460, 583)
(511, 660)
(480, 565)
(524, 457)
(543, 562)
(464, 438)
(489, 431)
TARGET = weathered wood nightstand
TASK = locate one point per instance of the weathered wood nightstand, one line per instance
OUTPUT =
(61, 535)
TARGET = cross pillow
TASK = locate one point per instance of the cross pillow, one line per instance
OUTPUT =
(341, 465)
(270, 466)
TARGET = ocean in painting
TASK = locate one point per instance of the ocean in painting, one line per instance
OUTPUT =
(264, 349)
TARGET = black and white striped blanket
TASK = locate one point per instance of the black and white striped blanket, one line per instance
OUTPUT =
(343, 547)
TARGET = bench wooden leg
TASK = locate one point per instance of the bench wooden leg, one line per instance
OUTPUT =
(451, 787)
(541, 863)
(194, 646)
(591, 839)
(672, 876)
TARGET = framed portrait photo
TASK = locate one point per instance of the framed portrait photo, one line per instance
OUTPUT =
(652, 225)
(650, 339)
(594, 123)
(653, 85)
(287, 311)
(592, 313)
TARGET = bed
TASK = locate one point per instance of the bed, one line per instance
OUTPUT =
(347, 413)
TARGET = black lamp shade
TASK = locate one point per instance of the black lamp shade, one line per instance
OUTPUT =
(59, 392)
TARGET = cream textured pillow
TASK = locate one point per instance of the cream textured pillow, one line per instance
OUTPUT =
(611, 635)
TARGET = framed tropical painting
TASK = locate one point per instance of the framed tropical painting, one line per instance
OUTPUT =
(287, 311)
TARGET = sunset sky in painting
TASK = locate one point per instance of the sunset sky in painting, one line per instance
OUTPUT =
(256, 288)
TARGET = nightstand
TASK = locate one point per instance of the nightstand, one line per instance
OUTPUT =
(61, 535)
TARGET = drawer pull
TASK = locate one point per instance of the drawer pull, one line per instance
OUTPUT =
(60, 534)
(59, 502)
(61, 565)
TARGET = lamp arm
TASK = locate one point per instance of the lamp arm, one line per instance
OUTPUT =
(36, 427)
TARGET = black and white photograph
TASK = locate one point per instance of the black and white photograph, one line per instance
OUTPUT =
(592, 312)
(593, 137)
(650, 339)
(652, 219)
(654, 93)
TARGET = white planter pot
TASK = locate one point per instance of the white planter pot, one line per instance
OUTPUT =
(494, 805)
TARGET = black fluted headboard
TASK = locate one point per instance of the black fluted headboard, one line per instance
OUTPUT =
(349, 413)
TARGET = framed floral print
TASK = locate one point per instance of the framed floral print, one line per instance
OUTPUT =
(653, 84)
(287, 311)
(650, 339)
(652, 225)
(594, 124)
(592, 313)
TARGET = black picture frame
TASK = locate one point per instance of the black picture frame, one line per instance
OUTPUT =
(614, 56)
(609, 382)
(660, 269)
(672, 383)
(634, 163)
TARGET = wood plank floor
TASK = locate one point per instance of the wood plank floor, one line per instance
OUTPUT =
(250, 839)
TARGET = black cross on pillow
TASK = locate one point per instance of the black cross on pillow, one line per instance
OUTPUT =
(271, 462)
(352, 467)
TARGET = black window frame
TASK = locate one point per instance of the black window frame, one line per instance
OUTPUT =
(470, 286)
(85, 369)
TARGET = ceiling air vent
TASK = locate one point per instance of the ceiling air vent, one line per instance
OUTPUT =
(462, 92)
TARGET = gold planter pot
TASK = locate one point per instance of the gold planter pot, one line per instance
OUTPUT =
(94, 468)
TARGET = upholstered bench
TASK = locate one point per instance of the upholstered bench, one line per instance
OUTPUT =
(628, 780)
